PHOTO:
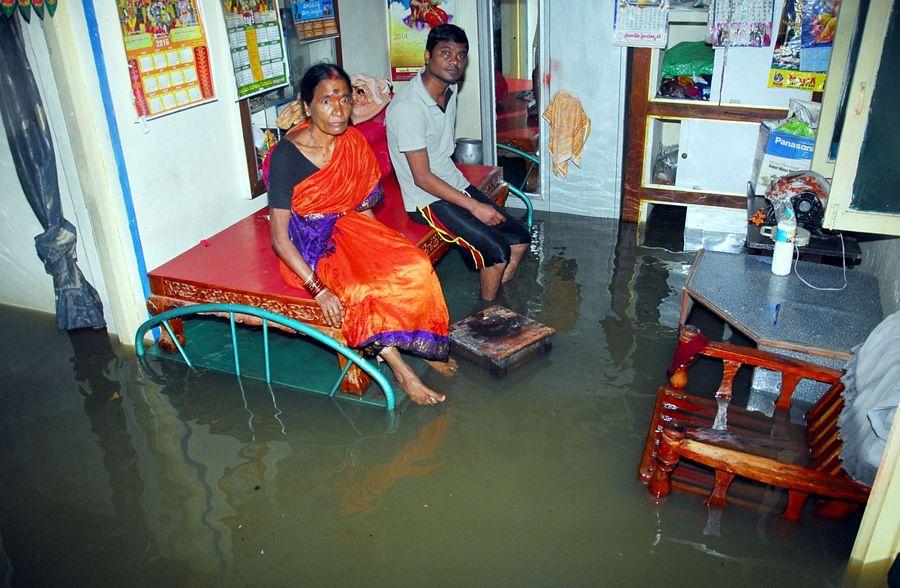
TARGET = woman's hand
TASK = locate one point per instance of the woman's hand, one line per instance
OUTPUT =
(331, 308)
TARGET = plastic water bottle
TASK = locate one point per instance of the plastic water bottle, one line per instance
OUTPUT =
(784, 244)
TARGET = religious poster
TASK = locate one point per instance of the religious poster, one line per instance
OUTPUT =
(314, 19)
(641, 23)
(257, 45)
(803, 46)
(409, 22)
(167, 54)
(740, 23)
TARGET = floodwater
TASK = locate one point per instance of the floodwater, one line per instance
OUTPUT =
(111, 476)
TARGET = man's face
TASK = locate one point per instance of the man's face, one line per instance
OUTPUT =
(447, 61)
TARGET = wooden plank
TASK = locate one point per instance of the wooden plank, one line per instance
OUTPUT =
(636, 133)
(773, 472)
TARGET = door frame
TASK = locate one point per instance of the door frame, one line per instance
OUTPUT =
(488, 90)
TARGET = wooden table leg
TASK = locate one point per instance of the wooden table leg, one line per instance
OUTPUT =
(158, 305)
(356, 381)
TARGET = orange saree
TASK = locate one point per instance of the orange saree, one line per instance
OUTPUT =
(390, 293)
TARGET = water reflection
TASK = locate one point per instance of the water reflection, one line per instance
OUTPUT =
(363, 489)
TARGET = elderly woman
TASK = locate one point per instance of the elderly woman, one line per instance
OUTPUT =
(368, 280)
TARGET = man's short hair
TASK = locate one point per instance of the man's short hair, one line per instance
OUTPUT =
(446, 32)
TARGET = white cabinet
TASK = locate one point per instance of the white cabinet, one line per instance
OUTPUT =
(715, 155)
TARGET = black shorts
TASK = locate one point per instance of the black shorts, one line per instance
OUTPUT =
(489, 245)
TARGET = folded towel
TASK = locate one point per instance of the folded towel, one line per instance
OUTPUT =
(569, 130)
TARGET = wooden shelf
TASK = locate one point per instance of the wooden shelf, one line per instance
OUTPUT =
(642, 108)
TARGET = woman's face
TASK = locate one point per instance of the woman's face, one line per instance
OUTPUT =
(330, 106)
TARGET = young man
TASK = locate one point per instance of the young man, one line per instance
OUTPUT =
(421, 120)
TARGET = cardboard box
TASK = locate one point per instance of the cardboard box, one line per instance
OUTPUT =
(778, 153)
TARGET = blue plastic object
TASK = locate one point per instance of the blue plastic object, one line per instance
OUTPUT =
(231, 309)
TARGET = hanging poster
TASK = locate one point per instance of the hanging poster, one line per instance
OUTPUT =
(740, 23)
(641, 23)
(167, 54)
(257, 46)
(803, 46)
(409, 22)
(314, 19)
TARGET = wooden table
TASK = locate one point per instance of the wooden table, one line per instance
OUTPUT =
(783, 315)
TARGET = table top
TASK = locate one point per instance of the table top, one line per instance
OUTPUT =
(783, 312)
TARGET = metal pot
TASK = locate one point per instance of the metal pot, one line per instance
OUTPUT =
(468, 151)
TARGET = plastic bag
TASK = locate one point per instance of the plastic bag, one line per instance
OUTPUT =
(689, 58)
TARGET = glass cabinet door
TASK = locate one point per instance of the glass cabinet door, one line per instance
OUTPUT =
(864, 195)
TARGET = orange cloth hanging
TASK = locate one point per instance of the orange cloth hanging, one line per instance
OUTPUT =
(569, 130)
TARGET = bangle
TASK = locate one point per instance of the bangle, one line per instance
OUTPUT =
(313, 285)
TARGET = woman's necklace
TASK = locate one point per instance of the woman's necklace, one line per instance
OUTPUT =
(325, 157)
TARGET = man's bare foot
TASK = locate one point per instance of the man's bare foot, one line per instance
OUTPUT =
(417, 391)
(445, 368)
(490, 280)
(516, 253)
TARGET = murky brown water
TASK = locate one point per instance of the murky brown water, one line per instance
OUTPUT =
(112, 477)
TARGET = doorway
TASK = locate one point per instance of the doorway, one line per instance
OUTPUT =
(516, 63)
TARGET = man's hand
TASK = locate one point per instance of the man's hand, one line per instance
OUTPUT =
(486, 213)
(331, 307)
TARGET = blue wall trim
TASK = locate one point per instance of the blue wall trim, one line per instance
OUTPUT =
(100, 65)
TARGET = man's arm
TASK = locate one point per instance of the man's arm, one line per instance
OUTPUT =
(426, 180)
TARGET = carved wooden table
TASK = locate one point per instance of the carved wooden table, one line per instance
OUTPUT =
(783, 315)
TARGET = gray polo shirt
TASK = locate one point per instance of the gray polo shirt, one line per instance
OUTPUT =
(414, 121)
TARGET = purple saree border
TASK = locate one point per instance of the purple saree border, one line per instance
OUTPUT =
(422, 343)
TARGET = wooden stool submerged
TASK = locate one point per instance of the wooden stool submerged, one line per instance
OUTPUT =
(499, 339)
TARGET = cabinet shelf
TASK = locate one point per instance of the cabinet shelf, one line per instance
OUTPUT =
(646, 110)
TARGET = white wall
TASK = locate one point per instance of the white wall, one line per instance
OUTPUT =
(582, 61)
(364, 44)
(468, 116)
(188, 172)
(25, 282)
(364, 37)
(882, 259)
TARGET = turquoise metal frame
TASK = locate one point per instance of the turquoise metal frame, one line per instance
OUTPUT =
(517, 191)
(390, 400)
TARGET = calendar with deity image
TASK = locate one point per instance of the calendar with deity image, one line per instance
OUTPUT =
(740, 23)
(167, 54)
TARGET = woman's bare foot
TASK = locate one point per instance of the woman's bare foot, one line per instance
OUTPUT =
(445, 368)
(417, 391)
